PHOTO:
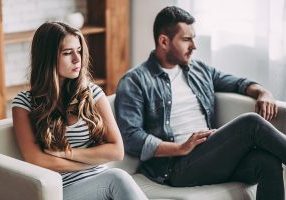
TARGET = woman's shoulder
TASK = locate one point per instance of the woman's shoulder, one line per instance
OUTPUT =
(22, 100)
(96, 91)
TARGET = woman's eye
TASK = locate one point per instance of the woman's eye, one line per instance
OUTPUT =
(66, 53)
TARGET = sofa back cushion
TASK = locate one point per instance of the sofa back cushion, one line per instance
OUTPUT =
(129, 163)
(8, 145)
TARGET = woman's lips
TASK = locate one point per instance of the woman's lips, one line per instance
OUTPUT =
(76, 69)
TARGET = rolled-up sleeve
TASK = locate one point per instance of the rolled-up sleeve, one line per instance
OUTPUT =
(149, 147)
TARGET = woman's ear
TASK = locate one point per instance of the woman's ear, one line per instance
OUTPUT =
(163, 41)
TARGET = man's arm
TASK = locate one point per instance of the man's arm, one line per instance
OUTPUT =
(129, 111)
(265, 103)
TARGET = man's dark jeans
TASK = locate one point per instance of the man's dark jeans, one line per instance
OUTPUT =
(248, 149)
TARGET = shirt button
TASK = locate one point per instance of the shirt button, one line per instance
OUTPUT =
(172, 139)
(168, 84)
(167, 122)
(169, 102)
(166, 175)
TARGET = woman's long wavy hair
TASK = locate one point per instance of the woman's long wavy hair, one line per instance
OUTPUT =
(51, 104)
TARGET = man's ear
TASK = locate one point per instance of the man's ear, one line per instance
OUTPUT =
(163, 41)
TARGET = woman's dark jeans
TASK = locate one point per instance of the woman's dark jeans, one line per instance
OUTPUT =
(248, 149)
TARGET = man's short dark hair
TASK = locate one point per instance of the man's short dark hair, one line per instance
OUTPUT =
(167, 19)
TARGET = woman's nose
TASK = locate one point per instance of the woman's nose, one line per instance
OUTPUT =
(76, 57)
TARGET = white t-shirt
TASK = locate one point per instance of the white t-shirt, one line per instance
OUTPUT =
(186, 113)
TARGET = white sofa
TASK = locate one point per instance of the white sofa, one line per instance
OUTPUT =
(20, 180)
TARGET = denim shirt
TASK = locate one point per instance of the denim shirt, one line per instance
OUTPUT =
(143, 107)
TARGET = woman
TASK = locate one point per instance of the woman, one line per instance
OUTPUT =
(65, 123)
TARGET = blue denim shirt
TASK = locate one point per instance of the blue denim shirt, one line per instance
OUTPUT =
(143, 108)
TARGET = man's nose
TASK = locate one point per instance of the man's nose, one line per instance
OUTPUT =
(193, 45)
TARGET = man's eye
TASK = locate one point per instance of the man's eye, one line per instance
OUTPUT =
(66, 53)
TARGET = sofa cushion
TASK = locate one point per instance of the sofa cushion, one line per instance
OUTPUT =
(225, 191)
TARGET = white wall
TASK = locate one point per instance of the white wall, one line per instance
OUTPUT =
(143, 13)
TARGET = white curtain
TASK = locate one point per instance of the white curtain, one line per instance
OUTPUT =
(243, 37)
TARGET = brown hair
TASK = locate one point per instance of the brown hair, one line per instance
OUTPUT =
(50, 103)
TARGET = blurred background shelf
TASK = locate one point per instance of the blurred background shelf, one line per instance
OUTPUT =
(27, 36)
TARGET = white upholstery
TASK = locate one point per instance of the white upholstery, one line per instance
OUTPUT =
(20, 180)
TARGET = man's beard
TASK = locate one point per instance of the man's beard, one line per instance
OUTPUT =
(174, 60)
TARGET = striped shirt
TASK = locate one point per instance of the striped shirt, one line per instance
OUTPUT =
(77, 135)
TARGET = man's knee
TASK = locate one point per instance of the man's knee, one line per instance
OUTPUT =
(251, 117)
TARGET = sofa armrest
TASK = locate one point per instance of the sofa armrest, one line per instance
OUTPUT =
(8, 144)
(22, 180)
(230, 105)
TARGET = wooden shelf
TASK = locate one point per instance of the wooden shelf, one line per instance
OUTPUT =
(88, 30)
(12, 91)
(23, 36)
(26, 36)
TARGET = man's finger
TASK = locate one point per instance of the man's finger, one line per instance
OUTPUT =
(262, 110)
(257, 110)
(271, 112)
(268, 110)
(199, 141)
(276, 110)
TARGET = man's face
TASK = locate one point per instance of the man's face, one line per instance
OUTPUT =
(181, 46)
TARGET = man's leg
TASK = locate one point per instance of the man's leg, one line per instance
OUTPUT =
(265, 169)
(215, 160)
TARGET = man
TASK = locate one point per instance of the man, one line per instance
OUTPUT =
(165, 112)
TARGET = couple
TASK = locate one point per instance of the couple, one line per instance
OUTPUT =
(164, 110)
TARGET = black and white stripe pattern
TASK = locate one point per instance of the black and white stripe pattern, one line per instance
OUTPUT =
(23, 100)
(77, 135)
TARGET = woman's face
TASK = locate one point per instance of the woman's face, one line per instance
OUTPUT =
(69, 58)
